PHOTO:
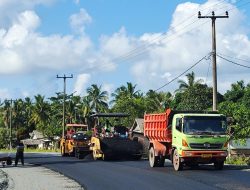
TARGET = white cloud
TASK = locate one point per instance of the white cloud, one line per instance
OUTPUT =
(79, 20)
(23, 50)
(10, 62)
(16, 35)
(117, 45)
(80, 84)
(184, 44)
(9, 9)
(29, 20)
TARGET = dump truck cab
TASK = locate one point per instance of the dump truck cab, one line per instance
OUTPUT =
(110, 138)
(75, 142)
(199, 138)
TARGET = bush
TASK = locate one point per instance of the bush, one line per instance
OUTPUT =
(238, 160)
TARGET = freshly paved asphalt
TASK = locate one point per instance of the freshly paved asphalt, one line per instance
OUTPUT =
(130, 175)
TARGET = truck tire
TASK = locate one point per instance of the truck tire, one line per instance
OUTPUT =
(161, 161)
(9, 161)
(153, 160)
(94, 155)
(177, 161)
(218, 165)
(63, 151)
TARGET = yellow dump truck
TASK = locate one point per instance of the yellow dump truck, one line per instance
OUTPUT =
(75, 142)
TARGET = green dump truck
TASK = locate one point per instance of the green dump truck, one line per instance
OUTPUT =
(187, 138)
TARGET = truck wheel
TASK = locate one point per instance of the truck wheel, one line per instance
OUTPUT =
(218, 165)
(161, 161)
(9, 161)
(177, 161)
(62, 150)
(153, 160)
(94, 155)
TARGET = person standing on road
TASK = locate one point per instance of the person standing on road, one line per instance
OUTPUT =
(19, 153)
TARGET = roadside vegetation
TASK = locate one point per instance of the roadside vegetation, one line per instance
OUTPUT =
(238, 160)
(45, 113)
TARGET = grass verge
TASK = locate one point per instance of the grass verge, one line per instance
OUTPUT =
(238, 160)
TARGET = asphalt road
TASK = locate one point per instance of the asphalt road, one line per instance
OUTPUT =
(130, 175)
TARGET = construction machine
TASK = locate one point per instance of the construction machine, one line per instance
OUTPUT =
(110, 138)
(75, 142)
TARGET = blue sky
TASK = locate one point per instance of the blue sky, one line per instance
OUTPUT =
(113, 42)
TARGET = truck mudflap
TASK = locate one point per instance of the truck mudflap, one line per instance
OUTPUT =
(206, 154)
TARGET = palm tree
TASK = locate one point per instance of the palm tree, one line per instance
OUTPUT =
(157, 102)
(72, 108)
(85, 108)
(98, 99)
(126, 92)
(40, 113)
(6, 113)
(190, 84)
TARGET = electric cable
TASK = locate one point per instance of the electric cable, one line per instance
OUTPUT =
(205, 57)
(233, 62)
(233, 57)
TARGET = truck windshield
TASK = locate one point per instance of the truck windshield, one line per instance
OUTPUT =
(204, 125)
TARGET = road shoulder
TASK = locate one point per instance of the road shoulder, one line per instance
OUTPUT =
(32, 177)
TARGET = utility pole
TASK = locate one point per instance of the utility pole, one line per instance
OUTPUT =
(64, 93)
(213, 18)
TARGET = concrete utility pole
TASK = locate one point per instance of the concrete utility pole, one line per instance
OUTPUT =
(64, 93)
(213, 18)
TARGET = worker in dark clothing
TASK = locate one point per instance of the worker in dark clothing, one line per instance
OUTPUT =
(19, 153)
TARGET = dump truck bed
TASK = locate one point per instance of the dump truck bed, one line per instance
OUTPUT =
(156, 127)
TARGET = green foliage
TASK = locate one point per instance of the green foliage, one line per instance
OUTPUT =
(238, 160)
(134, 107)
(197, 97)
(46, 115)
(98, 99)
(4, 137)
(236, 93)
(237, 106)
(157, 102)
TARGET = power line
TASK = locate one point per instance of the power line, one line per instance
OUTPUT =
(205, 57)
(233, 62)
(141, 49)
(208, 69)
(233, 57)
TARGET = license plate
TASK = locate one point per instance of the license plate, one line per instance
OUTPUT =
(206, 155)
